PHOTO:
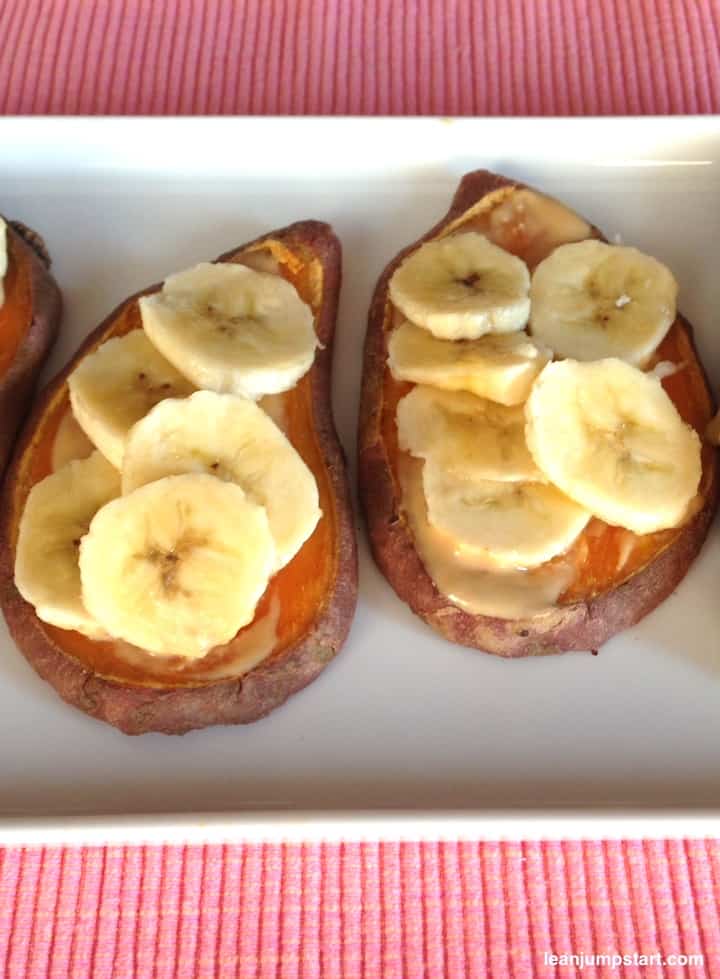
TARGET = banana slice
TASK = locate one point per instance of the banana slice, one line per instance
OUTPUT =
(57, 515)
(510, 525)
(462, 287)
(117, 385)
(610, 438)
(178, 566)
(232, 438)
(232, 329)
(3, 259)
(591, 301)
(466, 434)
(501, 367)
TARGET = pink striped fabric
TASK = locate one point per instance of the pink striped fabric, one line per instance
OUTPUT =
(392, 910)
(351, 910)
(449, 57)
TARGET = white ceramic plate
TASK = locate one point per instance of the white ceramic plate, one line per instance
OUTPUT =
(403, 727)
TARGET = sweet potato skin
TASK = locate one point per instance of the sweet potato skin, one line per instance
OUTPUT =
(138, 709)
(578, 626)
(18, 382)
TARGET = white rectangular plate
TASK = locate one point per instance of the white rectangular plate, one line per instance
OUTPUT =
(401, 720)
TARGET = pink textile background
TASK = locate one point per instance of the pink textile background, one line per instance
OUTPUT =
(447, 57)
(354, 910)
(358, 910)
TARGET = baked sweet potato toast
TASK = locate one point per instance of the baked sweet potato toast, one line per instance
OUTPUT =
(304, 614)
(613, 576)
(29, 321)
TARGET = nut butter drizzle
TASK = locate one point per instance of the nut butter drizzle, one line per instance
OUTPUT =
(524, 223)
(503, 594)
(249, 647)
(70, 443)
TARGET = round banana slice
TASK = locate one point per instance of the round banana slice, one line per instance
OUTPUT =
(610, 438)
(462, 287)
(232, 438)
(466, 433)
(178, 566)
(116, 385)
(499, 366)
(232, 329)
(591, 301)
(57, 515)
(512, 525)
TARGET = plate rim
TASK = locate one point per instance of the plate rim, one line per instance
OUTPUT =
(612, 821)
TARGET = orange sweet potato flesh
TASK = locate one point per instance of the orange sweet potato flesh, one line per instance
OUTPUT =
(29, 321)
(619, 577)
(315, 593)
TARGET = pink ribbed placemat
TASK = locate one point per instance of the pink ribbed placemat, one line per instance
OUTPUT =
(447, 57)
(370, 910)
(359, 910)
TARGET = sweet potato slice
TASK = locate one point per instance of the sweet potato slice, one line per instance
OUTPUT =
(29, 321)
(308, 606)
(617, 576)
